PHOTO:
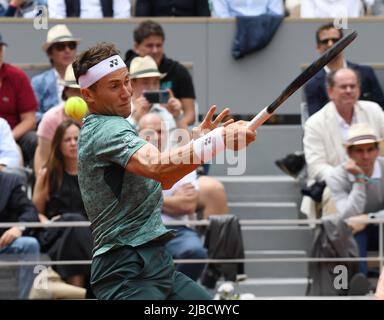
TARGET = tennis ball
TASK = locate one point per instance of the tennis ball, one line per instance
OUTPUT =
(75, 108)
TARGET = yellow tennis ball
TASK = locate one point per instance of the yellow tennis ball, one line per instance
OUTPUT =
(75, 108)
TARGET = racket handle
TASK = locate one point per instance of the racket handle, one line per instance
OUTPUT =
(259, 119)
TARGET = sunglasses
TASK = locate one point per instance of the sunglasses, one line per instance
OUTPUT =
(60, 46)
(325, 41)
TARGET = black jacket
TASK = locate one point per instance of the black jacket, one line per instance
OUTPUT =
(14, 203)
(316, 92)
(73, 8)
(223, 241)
(172, 8)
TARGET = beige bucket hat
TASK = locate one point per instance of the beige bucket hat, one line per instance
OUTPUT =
(58, 33)
(361, 133)
(144, 67)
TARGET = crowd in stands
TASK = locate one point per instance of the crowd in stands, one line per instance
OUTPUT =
(95, 9)
(36, 135)
(53, 161)
(342, 166)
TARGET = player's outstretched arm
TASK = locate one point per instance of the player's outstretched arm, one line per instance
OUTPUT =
(170, 166)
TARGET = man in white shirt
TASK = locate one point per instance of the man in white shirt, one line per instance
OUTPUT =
(327, 130)
(333, 8)
(10, 155)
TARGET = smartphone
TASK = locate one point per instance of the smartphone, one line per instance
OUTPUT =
(158, 96)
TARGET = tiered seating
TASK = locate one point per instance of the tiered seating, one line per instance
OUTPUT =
(265, 193)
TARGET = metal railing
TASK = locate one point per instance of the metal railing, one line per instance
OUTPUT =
(261, 224)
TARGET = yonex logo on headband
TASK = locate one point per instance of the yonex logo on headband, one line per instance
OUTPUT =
(100, 70)
(113, 63)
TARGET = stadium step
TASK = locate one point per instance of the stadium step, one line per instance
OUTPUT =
(277, 237)
(9, 283)
(260, 188)
(276, 269)
(264, 210)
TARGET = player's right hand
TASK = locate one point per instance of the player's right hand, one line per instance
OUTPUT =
(237, 135)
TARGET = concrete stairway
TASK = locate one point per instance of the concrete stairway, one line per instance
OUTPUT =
(270, 197)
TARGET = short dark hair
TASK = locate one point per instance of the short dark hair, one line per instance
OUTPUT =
(327, 26)
(332, 74)
(146, 29)
(87, 59)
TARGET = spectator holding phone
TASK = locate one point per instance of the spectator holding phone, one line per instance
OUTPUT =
(147, 96)
(149, 39)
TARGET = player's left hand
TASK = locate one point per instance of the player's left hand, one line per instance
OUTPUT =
(208, 124)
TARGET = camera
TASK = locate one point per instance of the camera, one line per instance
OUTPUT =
(158, 96)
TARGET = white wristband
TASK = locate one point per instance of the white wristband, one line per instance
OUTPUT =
(209, 145)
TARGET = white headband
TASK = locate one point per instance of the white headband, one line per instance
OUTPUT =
(100, 70)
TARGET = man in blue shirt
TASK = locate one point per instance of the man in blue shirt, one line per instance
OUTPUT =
(230, 8)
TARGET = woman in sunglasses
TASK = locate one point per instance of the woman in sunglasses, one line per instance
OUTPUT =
(60, 48)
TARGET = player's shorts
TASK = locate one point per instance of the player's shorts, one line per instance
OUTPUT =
(145, 272)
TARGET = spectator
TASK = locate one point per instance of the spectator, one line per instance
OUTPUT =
(315, 90)
(323, 148)
(57, 197)
(16, 207)
(377, 8)
(145, 76)
(60, 48)
(333, 8)
(18, 105)
(357, 186)
(95, 9)
(177, 8)
(52, 119)
(180, 203)
(149, 40)
(9, 153)
(229, 8)
(22, 8)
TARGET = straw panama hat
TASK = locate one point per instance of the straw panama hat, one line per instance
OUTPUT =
(58, 33)
(69, 78)
(144, 67)
(361, 133)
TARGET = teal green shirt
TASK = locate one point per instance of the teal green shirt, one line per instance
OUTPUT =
(124, 208)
